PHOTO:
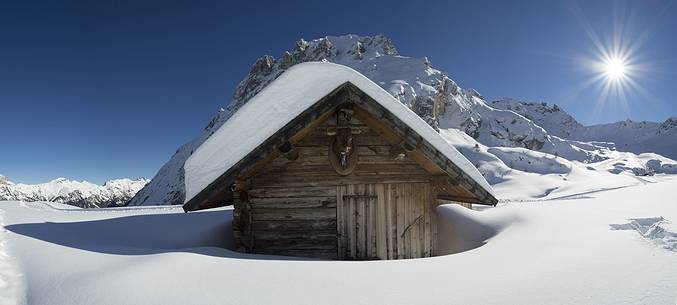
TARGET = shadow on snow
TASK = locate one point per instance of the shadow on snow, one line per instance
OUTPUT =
(210, 233)
(206, 232)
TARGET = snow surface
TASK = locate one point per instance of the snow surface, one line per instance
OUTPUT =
(607, 247)
(520, 174)
(284, 99)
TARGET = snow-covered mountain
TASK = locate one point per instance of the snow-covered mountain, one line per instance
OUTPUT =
(78, 193)
(628, 135)
(431, 93)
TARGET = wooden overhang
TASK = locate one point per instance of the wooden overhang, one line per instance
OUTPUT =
(220, 191)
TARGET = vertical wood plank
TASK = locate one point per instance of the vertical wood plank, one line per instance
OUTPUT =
(405, 213)
(400, 220)
(381, 222)
(430, 209)
(408, 223)
(367, 221)
(415, 240)
(389, 220)
(340, 225)
(433, 223)
(374, 220)
(423, 205)
(352, 213)
(421, 224)
(392, 202)
(373, 205)
(426, 223)
(410, 220)
(359, 190)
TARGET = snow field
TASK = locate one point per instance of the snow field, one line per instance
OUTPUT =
(558, 251)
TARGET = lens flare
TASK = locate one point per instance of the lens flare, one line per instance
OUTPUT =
(615, 68)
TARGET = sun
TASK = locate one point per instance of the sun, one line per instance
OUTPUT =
(615, 68)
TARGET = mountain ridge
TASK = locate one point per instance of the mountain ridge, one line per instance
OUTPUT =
(84, 194)
(627, 135)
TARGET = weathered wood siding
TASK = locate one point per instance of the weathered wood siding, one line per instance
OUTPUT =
(289, 207)
(386, 221)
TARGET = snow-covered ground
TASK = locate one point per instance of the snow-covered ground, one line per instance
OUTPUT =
(611, 246)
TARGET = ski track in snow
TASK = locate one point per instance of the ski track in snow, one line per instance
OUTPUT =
(580, 195)
(10, 278)
(651, 229)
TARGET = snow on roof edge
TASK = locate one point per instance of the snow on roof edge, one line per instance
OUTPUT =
(281, 101)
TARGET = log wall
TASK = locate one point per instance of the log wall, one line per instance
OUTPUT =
(289, 207)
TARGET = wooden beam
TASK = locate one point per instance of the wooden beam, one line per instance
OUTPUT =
(457, 198)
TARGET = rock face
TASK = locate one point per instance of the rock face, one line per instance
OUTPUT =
(553, 119)
(628, 135)
(77, 193)
(430, 93)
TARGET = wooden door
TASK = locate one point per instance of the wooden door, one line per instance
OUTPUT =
(385, 221)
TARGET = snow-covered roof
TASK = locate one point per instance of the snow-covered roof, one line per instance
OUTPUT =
(280, 102)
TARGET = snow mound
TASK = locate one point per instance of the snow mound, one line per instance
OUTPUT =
(651, 229)
(461, 229)
(530, 161)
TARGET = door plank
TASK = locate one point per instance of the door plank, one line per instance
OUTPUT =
(340, 223)
(373, 221)
(351, 222)
(381, 222)
(400, 220)
(428, 207)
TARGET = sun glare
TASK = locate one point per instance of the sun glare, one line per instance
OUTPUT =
(615, 64)
(615, 68)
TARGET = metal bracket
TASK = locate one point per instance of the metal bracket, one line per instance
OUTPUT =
(417, 220)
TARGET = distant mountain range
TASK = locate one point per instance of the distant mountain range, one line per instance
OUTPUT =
(77, 193)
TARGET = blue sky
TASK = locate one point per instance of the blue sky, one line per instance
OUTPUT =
(106, 89)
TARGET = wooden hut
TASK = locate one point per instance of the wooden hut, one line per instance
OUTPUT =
(324, 163)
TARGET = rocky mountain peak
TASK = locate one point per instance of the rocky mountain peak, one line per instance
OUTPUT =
(669, 124)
